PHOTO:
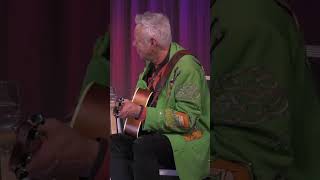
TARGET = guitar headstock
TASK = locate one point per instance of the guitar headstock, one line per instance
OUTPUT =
(28, 141)
(115, 101)
(118, 104)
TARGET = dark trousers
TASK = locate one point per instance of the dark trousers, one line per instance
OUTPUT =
(140, 158)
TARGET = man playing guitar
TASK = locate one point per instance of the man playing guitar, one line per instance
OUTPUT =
(173, 117)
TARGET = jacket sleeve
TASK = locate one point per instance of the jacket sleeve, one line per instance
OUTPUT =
(185, 88)
(98, 67)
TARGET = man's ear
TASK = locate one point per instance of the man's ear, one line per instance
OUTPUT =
(153, 42)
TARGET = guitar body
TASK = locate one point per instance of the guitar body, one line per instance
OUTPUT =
(132, 126)
(91, 117)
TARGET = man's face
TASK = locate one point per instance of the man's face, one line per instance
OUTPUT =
(144, 48)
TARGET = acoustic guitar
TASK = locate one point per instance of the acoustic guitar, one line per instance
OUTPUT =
(91, 119)
(132, 126)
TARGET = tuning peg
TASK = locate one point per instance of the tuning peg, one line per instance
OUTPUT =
(27, 159)
(34, 134)
(37, 119)
(121, 99)
(21, 173)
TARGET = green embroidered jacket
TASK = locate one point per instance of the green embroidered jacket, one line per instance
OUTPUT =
(264, 105)
(98, 67)
(187, 92)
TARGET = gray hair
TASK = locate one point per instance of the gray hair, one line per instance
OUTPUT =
(157, 26)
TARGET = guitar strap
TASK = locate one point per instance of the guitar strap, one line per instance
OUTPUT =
(165, 76)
